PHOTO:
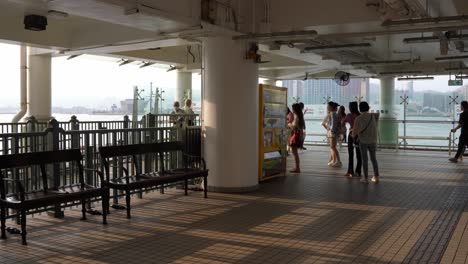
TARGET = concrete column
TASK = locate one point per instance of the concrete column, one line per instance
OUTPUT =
(39, 87)
(388, 128)
(184, 87)
(230, 115)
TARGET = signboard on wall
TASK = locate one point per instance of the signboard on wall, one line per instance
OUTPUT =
(455, 82)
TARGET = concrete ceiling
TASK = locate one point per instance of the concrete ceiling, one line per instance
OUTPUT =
(171, 32)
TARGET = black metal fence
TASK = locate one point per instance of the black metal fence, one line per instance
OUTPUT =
(88, 137)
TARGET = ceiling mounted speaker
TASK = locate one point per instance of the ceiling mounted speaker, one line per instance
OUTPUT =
(35, 22)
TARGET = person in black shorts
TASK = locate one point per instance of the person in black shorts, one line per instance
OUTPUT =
(463, 124)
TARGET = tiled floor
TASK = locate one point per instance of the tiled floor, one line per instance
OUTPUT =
(417, 214)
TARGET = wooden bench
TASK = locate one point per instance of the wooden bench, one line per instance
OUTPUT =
(192, 168)
(23, 201)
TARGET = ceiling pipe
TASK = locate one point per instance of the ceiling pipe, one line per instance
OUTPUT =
(23, 85)
(408, 30)
(432, 39)
(462, 57)
(426, 20)
(336, 47)
(385, 62)
(278, 36)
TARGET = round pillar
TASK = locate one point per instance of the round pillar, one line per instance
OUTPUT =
(230, 115)
(388, 127)
(184, 87)
(39, 87)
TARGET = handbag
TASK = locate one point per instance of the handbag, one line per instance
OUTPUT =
(356, 139)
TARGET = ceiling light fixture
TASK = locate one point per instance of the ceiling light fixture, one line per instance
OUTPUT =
(400, 73)
(146, 64)
(172, 68)
(416, 78)
(73, 56)
(124, 62)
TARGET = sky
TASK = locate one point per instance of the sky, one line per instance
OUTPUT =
(98, 83)
(86, 81)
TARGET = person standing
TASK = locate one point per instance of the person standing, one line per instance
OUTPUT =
(342, 115)
(463, 124)
(332, 124)
(296, 140)
(177, 117)
(349, 119)
(188, 111)
(301, 104)
(365, 130)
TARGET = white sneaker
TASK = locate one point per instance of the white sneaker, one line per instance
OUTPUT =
(364, 180)
(330, 163)
(337, 164)
(375, 180)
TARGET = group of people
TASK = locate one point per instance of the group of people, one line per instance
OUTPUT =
(178, 120)
(361, 138)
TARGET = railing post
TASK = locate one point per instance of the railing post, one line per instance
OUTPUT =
(55, 146)
(126, 125)
(75, 138)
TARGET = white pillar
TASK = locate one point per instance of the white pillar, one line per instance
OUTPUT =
(387, 96)
(184, 87)
(388, 128)
(230, 115)
(23, 84)
(39, 87)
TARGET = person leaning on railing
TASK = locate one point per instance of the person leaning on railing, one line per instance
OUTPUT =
(188, 111)
(463, 124)
(177, 117)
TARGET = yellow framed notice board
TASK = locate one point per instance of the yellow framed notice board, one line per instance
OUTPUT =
(273, 131)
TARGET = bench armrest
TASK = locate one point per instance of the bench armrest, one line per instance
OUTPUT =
(99, 173)
(202, 160)
(19, 188)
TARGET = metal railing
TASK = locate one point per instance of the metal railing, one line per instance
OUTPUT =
(160, 120)
(56, 136)
(408, 141)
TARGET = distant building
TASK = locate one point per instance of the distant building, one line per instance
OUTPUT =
(439, 101)
(312, 92)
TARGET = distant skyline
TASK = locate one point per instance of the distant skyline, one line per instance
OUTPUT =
(98, 83)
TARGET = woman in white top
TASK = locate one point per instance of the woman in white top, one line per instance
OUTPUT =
(332, 123)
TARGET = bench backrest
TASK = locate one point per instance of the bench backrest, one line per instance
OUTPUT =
(138, 149)
(135, 150)
(39, 158)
